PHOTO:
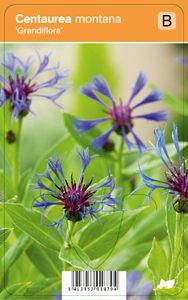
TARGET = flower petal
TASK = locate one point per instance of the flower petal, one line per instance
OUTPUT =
(176, 143)
(88, 92)
(158, 116)
(46, 204)
(139, 84)
(101, 86)
(127, 142)
(145, 290)
(85, 158)
(154, 96)
(43, 62)
(140, 145)
(2, 97)
(133, 279)
(85, 125)
(54, 97)
(99, 142)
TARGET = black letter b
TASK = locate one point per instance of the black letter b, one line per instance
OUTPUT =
(167, 21)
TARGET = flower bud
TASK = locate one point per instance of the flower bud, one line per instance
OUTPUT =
(181, 205)
(10, 137)
(109, 146)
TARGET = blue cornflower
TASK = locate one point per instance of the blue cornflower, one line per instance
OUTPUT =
(20, 85)
(134, 288)
(77, 198)
(120, 115)
(176, 175)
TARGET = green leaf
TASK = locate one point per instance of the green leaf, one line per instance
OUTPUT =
(157, 262)
(147, 226)
(44, 259)
(45, 287)
(178, 105)
(150, 160)
(170, 222)
(15, 251)
(4, 234)
(182, 278)
(5, 183)
(127, 258)
(98, 238)
(23, 183)
(14, 291)
(75, 256)
(28, 221)
(173, 292)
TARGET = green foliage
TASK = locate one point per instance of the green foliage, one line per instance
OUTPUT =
(44, 289)
(159, 270)
(178, 105)
(75, 256)
(33, 255)
(153, 223)
(44, 259)
(15, 251)
(170, 223)
(4, 234)
(28, 221)
(149, 160)
(182, 278)
(14, 291)
(110, 229)
(127, 258)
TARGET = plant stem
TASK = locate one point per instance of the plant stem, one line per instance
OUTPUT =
(119, 161)
(17, 156)
(70, 227)
(177, 245)
(68, 241)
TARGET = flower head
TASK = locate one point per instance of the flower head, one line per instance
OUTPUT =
(77, 198)
(120, 114)
(20, 85)
(176, 174)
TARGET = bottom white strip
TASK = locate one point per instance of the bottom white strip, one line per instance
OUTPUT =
(96, 285)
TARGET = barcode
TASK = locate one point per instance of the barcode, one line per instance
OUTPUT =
(97, 284)
(95, 279)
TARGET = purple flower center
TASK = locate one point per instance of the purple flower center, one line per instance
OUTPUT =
(120, 115)
(75, 197)
(18, 91)
(178, 181)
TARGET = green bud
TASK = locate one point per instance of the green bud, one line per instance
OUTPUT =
(109, 146)
(181, 205)
(74, 216)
